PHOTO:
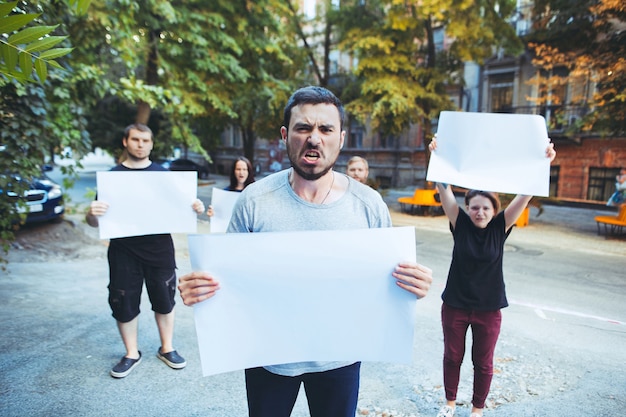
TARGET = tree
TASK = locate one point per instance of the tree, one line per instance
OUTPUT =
(36, 113)
(32, 47)
(274, 63)
(174, 57)
(316, 37)
(403, 75)
(554, 72)
(589, 35)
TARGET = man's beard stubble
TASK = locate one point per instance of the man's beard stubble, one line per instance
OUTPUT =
(309, 176)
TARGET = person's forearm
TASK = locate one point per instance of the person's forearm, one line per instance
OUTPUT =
(445, 193)
(516, 208)
(448, 202)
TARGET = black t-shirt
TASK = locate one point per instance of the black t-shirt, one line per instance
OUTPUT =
(475, 280)
(154, 250)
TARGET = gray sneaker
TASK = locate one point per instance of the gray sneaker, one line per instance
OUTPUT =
(172, 359)
(125, 366)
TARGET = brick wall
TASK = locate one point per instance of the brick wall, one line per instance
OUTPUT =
(575, 159)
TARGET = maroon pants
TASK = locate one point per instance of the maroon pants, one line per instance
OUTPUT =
(485, 331)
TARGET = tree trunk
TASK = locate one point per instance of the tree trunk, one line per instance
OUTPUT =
(143, 113)
(307, 47)
(249, 140)
(427, 131)
(152, 76)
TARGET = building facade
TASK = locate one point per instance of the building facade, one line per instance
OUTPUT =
(586, 164)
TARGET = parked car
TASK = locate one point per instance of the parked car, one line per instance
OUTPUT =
(43, 200)
(189, 165)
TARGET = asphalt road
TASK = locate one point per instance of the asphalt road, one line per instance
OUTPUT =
(562, 351)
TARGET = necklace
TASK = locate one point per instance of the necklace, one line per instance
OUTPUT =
(329, 190)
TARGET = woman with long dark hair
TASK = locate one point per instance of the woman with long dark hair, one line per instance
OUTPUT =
(241, 175)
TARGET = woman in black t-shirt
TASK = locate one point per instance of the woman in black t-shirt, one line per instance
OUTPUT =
(475, 290)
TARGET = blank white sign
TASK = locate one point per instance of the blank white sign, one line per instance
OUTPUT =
(492, 152)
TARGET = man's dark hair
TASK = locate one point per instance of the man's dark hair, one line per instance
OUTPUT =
(138, 126)
(313, 95)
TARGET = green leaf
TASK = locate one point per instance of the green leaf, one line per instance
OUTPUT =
(30, 34)
(55, 65)
(41, 69)
(3, 50)
(45, 43)
(55, 53)
(6, 8)
(12, 23)
(9, 54)
(82, 7)
(26, 63)
(17, 75)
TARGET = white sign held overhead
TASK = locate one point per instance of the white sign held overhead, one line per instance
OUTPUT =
(493, 152)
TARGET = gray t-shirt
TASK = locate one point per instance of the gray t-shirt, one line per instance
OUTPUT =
(271, 205)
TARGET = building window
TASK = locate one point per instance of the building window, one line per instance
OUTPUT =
(554, 181)
(236, 138)
(334, 66)
(439, 38)
(388, 141)
(355, 139)
(601, 183)
(501, 93)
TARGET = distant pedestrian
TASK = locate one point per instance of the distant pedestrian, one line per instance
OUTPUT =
(241, 175)
(619, 195)
(474, 292)
(133, 260)
(358, 168)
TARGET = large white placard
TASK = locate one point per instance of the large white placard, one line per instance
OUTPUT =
(147, 202)
(492, 152)
(304, 296)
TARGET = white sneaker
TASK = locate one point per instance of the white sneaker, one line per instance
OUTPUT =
(446, 411)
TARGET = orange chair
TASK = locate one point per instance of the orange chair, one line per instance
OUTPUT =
(422, 201)
(522, 220)
(613, 225)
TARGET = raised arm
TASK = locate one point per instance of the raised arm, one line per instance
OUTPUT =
(448, 200)
(515, 209)
(519, 203)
